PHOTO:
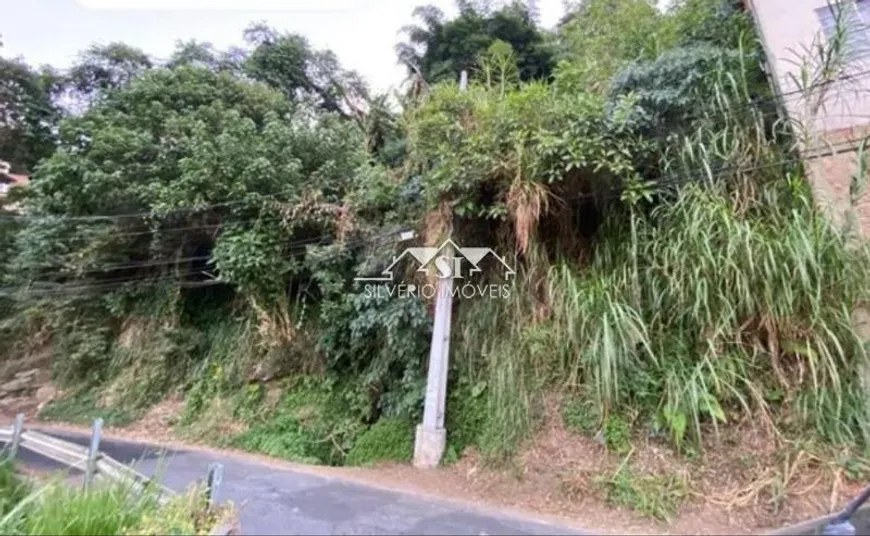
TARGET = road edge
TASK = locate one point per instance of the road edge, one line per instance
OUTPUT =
(329, 473)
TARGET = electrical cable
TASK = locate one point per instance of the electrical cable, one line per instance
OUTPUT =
(100, 268)
(117, 283)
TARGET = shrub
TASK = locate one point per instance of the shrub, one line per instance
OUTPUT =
(580, 414)
(317, 421)
(657, 495)
(465, 417)
(284, 437)
(387, 439)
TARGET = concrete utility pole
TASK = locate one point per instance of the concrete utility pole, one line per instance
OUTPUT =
(431, 436)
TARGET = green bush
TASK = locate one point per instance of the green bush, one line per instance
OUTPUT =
(105, 508)
(387, 439)
(285, 437)
(465, 417)
(617, 434)
(657, 495)
(316, 422)
(580, 414)
(12, 488)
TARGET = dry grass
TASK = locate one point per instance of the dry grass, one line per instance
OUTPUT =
(344, 222)
(745, 482)
(216, 421)
(437, 223)
(527, 201)
(274, 327)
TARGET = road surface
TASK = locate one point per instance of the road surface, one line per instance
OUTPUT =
(273, 500)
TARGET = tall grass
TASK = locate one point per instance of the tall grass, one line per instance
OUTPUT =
(500, 347)
(731, 297)
(740, 313)
(231, 349)
(62, 509)
(12, 487)
(599, 335)
(58, 508)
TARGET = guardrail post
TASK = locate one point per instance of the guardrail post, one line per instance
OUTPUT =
(93, 450)
(215, 475)
(17, 428)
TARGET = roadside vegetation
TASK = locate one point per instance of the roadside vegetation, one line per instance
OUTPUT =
(193, 228)
(58, 507)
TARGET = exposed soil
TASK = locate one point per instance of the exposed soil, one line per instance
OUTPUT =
(731, 491)
(25, 399)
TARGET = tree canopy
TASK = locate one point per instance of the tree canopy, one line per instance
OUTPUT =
(28, 113)
(439, 49)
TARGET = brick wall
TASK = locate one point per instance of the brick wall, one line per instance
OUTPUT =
(830, 169)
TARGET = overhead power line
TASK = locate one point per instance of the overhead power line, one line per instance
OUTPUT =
(152, 213)
(673, 179)
(115, 283)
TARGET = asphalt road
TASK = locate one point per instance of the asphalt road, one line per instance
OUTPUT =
(272, 500)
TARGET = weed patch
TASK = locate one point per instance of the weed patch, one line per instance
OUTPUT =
(617, 434)
(13, 489)
(465, 418)
(84, 406)
(56, 508)
(285, 437)
(655, 495)
(313, 423)
(580, 415)
(388, 439)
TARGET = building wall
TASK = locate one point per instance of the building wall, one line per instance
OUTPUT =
(789, 29)
(831, 171)
(830, 120)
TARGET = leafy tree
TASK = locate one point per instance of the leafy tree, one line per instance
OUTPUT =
(102, 68)
(440, 49)
(674, 88)
(508, 155)
(204, 55)
(259, 172)
(200, 172)
(713, 22)
(597, 38)
(287, 62)
(600, 36)
(28, 115)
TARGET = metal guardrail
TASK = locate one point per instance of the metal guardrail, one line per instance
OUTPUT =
(97, 465)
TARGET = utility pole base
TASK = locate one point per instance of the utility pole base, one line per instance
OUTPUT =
(429, 447)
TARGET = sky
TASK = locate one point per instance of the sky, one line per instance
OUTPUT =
(361, 32)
